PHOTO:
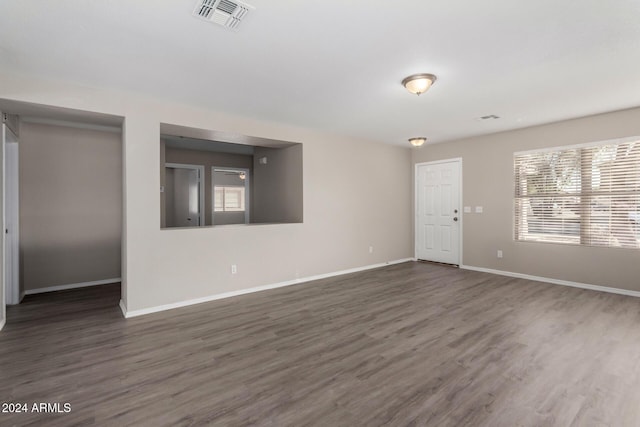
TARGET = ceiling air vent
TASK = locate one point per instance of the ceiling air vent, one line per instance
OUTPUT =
(222, 12)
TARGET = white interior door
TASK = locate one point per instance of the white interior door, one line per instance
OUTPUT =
(438, 211)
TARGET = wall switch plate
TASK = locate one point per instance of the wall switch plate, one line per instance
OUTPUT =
(478, 209)
(234, 269)
(467, 209)
(370, 249)
(499, 253)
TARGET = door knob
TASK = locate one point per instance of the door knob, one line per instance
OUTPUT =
(455, 211)
(188, 219)
(455, 218)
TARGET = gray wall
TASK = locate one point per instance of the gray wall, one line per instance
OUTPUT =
(207, 159)
(70, 205)
(277, 189)
(163, 183)
(168, 193)
(488, 182)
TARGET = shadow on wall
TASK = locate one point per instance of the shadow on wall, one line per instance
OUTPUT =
(70, 204)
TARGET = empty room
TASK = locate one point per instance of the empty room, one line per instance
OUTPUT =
(288, 213)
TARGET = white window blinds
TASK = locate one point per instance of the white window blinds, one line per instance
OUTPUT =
(228, 198)
(587, 195)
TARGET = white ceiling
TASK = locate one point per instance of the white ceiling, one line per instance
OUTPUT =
(337, 65)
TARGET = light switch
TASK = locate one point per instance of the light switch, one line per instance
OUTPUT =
(478, 209)
(467, 209)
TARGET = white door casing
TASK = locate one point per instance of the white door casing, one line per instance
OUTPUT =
(12, 218)
(3, 306)
(438, 211)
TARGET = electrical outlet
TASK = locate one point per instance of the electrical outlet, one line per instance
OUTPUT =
(370, 249)
(499, 253)
(479, 209)
(467, 209)
(234, 269)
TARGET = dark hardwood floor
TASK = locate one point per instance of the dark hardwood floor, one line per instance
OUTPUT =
(409, 344)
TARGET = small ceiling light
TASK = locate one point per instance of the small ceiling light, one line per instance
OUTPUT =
(242, 175)
(418, 141)
(419, 83)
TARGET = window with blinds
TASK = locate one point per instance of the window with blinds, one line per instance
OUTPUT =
(228, 198)
(583, 195)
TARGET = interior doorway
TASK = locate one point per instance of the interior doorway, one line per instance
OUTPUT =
(184, 193)
(62, 203)
(438, 215)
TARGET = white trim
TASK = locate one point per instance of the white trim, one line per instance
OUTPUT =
(3, 291)
(2, 323)
(135, 313)
(12, 220)
(71, 286)
(555, 281)
(123, 308)
(201, 184)
(460, 207)
(460, 211)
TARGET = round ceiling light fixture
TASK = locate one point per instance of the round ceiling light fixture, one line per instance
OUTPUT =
(419, 83)
(417, 141)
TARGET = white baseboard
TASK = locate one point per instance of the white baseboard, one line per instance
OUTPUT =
(555, 281)
(123, 308)
(70, 286)
(134, 313)
(2, 322)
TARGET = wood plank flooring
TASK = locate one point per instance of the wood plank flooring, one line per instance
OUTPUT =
(413, 344)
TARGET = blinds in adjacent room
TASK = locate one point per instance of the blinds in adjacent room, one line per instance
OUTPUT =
(587, 195)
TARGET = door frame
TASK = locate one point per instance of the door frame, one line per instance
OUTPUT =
(247, 190)
(3, 300)
(12, 217)
(416, 204)
(200, 169)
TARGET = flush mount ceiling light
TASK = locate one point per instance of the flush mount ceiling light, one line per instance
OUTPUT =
(418, 141)
(419, 83)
